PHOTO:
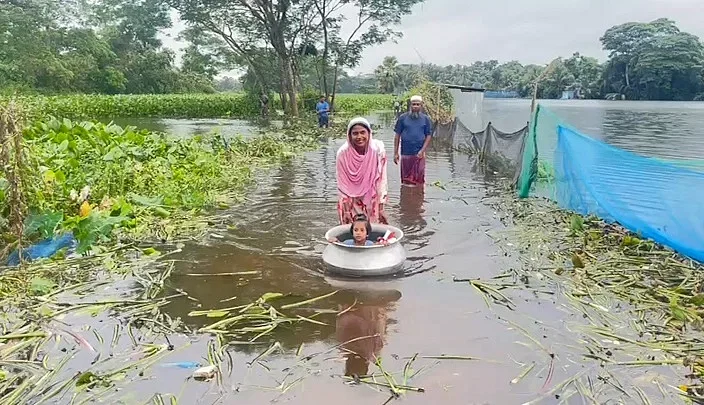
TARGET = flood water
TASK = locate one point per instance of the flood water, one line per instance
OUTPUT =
(279, 232)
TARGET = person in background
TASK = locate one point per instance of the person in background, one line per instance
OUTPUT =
(264, 104)
(413, 133)
(323, 109)
(361, 175)
(397, 107)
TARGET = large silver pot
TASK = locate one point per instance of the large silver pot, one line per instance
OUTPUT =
(364, 261)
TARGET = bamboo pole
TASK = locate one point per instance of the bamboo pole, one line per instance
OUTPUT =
(537, 81)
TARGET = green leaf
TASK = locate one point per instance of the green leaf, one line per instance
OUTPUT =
(86, 378)
(114, 154)
(630, 241)
(151, 252)
(146, 201)
(49, 176)
(93, 228)
(41, 286)
(697, 300)
(216, 314)
(270, 296)
(63, 146)
(44, 223)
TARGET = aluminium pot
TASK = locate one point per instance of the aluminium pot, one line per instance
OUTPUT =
(364, 261)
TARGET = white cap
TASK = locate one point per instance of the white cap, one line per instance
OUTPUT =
(417, 98)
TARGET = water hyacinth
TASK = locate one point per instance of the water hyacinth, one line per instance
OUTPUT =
(236, 105)
(135, 180)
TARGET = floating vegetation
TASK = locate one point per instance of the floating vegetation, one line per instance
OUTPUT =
(641, 304)
(42, 341)
(92, 106)
(91, 182)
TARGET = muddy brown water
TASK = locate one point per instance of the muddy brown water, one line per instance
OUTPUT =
(279, 233)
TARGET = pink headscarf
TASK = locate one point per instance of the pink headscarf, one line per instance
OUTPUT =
(359, 175)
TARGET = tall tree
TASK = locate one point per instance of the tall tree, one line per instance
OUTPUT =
(373, 23)
(248, 26)
(387, 74)
(625, 42)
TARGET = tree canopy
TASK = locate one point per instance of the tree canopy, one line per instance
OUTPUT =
(647, 61)
(297, 47)
(106, 46)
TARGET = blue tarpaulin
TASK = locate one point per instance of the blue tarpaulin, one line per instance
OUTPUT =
(43, 249)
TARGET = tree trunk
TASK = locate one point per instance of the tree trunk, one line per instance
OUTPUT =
(325, 54)
(334, 88)
(282, 97)
(288, 81)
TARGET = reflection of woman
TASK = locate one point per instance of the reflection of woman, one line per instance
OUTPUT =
(361, 329)
(361, 175)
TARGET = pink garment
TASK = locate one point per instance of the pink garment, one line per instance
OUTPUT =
(362, 177)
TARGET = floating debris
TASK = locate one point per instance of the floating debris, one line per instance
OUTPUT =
(205, 373)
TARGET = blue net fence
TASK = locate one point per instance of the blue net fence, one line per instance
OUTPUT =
(660, 199)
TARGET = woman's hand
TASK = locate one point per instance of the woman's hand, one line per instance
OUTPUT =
(333, 240)
(396, 158)
(421, 154)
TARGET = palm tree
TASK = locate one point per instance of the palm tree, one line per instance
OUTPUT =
(387, 74)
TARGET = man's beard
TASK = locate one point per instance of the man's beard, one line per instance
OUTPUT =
(415, 114)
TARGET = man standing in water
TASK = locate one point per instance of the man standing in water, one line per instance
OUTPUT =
(413, 132)
(322, 108)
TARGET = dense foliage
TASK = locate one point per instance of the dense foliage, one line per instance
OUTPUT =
(108, 46)
(91, 178)
(648, 61)
(179, 105)
(292, 49)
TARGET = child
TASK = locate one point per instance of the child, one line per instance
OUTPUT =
(360, 230)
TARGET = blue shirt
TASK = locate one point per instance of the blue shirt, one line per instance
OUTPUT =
(413, 132)
(322, 108)
(350, 242)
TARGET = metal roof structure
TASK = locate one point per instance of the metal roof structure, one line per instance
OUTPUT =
(462, 88)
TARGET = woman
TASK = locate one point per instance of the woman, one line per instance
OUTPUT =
(361, 175)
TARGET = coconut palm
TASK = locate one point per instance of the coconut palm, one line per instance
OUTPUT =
(387, 74)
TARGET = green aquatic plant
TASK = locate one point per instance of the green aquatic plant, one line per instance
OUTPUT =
(91, 178)
(91, 106)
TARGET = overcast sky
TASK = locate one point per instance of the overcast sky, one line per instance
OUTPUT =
(449, 32)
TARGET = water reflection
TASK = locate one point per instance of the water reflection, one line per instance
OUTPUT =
(361, 328)
(182, 127)
(410, 210)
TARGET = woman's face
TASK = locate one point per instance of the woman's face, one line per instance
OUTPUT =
(359, 136)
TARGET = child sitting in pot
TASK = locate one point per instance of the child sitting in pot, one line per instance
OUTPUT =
(360, 230)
